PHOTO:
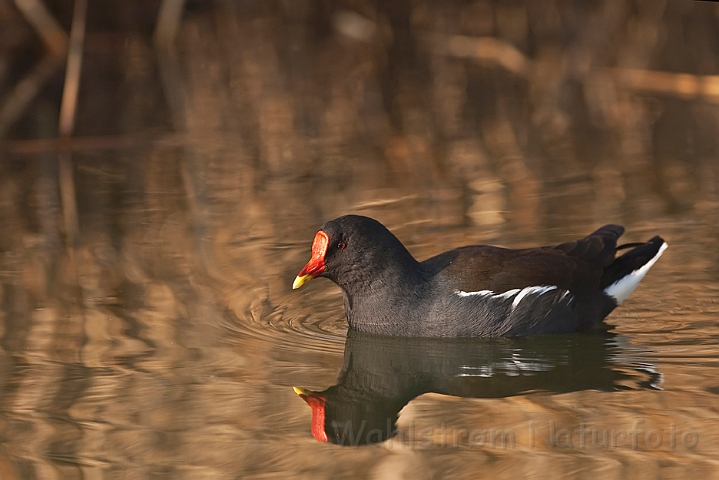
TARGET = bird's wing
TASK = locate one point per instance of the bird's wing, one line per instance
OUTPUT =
(576, 265)
(598, 248)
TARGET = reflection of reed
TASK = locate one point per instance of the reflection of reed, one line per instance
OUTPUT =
(540, 118)
(26, 90)
(283, 117)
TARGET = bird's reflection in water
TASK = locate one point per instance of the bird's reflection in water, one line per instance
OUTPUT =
(380, 375)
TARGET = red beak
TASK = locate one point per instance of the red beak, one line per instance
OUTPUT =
(316, 265)
(317, 402)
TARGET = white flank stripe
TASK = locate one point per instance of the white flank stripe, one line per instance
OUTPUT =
(531, 291)
(621, 289)
(481, 293)
(488, 293)
(510, 293)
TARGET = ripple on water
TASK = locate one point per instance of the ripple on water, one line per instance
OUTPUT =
(293, 323)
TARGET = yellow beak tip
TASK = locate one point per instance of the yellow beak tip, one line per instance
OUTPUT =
(301, 391)
(299, 281)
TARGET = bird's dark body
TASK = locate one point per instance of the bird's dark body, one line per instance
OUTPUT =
(476, 290)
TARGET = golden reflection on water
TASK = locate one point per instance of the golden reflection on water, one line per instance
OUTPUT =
(167, 343)
(175, 352)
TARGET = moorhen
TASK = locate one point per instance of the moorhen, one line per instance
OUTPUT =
(475, 291)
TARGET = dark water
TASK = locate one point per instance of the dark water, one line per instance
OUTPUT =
(167, 346)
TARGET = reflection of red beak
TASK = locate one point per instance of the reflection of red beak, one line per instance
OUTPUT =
(317, 402)
(316, 265)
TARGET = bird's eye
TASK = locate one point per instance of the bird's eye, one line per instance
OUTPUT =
(341, 245)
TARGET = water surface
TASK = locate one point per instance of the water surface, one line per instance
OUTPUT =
(166, 340)
(168, 343)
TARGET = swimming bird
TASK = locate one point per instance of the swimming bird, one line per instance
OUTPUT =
(477, 290)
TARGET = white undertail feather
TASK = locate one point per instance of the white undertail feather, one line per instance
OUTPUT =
(621, 289)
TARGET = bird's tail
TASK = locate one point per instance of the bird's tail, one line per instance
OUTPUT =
(622, 276)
